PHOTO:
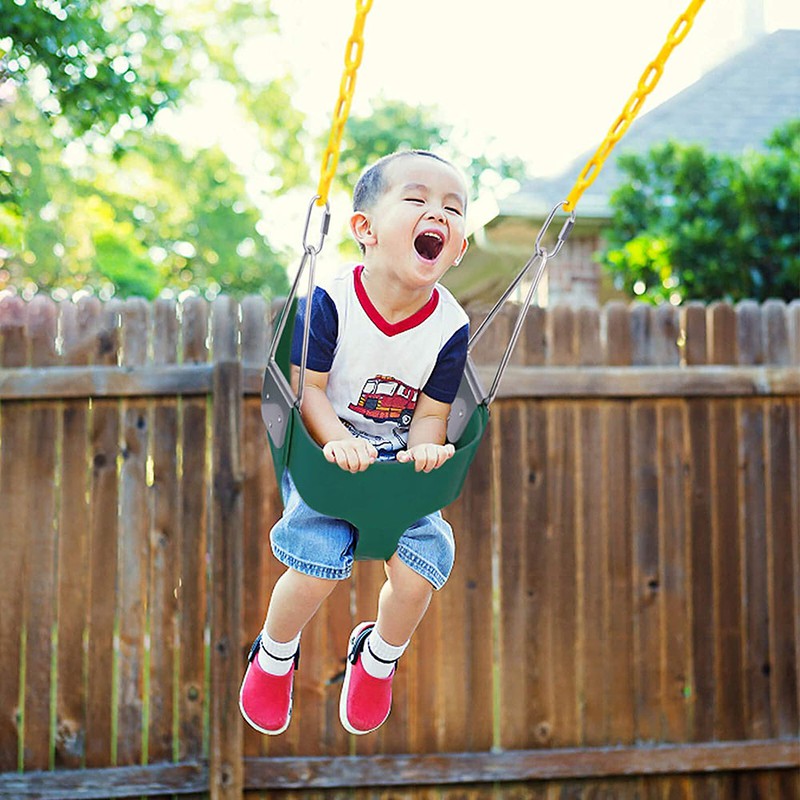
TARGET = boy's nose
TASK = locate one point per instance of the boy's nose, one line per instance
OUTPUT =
(437, 214)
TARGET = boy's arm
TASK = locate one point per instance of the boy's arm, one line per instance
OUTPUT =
(338, 444)
(427, 435)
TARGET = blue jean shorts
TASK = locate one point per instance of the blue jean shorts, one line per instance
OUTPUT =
(323, 547)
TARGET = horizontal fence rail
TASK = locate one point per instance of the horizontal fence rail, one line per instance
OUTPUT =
(444, 769)
(622, 620)
(61, 383)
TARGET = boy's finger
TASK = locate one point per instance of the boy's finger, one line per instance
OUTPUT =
(426, 460)
(353, 461)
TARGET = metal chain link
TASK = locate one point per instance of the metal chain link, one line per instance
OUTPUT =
(647, 83)
(352, 61)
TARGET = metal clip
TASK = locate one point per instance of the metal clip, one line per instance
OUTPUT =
(562, 236)
(323, 226)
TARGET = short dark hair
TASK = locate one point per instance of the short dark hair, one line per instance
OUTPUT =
(372, 183)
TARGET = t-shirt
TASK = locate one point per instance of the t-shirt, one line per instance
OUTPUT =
(376, 368)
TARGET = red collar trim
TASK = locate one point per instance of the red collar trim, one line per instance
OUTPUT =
(392, 328)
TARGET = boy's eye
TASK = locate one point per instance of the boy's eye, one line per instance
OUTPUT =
(453, 210)
(414, 200)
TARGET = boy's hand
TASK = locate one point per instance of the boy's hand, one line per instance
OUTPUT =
(426, 457)
(353, 454)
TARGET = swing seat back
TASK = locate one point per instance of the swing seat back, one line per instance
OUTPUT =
(387, 498)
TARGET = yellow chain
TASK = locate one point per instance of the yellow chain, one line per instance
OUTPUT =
(647, 83)
(352, 61)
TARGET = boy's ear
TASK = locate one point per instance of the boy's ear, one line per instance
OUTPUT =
(361, 228)
(464, 246)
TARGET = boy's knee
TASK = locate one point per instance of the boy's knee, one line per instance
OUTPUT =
(405, 580)
(310, 584)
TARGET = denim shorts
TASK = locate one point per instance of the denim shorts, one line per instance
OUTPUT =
(323, 547)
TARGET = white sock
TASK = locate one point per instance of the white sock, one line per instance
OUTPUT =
(378, 656)
(277, 658)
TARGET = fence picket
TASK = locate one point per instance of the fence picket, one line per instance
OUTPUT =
(164, 490)
(468, 709)
(14, 480)
(521, 688)
(641, 321)
(748, 333)
(776, 332)
(562, 581)
(101, 657)
(666, 336)
(534, 337)
(134, 543)
(38, 506)
(673, 566)
(793, 325)
(617, 526)
(336, 622)
(756, 610)
(193, 544)
(726, 527)
(782, 547)
(703, 613)
(226, 735)
(618, 340)
(645, 576)
(591, 541)
(77, 322)
(258, 478)
(591, 578)
(695, 334)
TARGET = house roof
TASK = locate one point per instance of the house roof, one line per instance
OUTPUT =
(732, 108)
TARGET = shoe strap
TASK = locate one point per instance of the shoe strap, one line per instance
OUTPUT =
(258, 643)
(358, 646)
(378, 658)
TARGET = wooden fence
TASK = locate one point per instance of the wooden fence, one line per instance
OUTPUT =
(622, 620)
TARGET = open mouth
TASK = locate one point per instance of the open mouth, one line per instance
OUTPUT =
(429, 244)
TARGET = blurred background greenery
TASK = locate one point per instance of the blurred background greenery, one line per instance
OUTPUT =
(100, 192)
(96, 196)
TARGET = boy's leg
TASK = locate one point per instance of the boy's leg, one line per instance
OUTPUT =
(375, 648)
(265, 698)
(295, 599)
(403, 601)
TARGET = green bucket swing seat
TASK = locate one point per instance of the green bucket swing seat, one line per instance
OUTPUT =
(388, 497)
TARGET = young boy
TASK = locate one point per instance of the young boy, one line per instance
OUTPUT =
(386, 321)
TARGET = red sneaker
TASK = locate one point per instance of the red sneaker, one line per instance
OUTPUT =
(365, 702)
(266, 700)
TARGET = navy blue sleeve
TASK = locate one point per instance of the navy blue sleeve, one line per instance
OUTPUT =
(446, 376)
(323, 333)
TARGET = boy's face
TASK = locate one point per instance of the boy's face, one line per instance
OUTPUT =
(416, 228)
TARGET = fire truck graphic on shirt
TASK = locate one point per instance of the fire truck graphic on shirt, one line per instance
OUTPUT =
(386, 399)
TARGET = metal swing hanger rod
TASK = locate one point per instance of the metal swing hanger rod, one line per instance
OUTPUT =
(310, 253)
(540, 255)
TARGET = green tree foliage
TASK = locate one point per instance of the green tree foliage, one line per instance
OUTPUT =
(694, 225)
(394, 125)
(101, 60)
(92, 195)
